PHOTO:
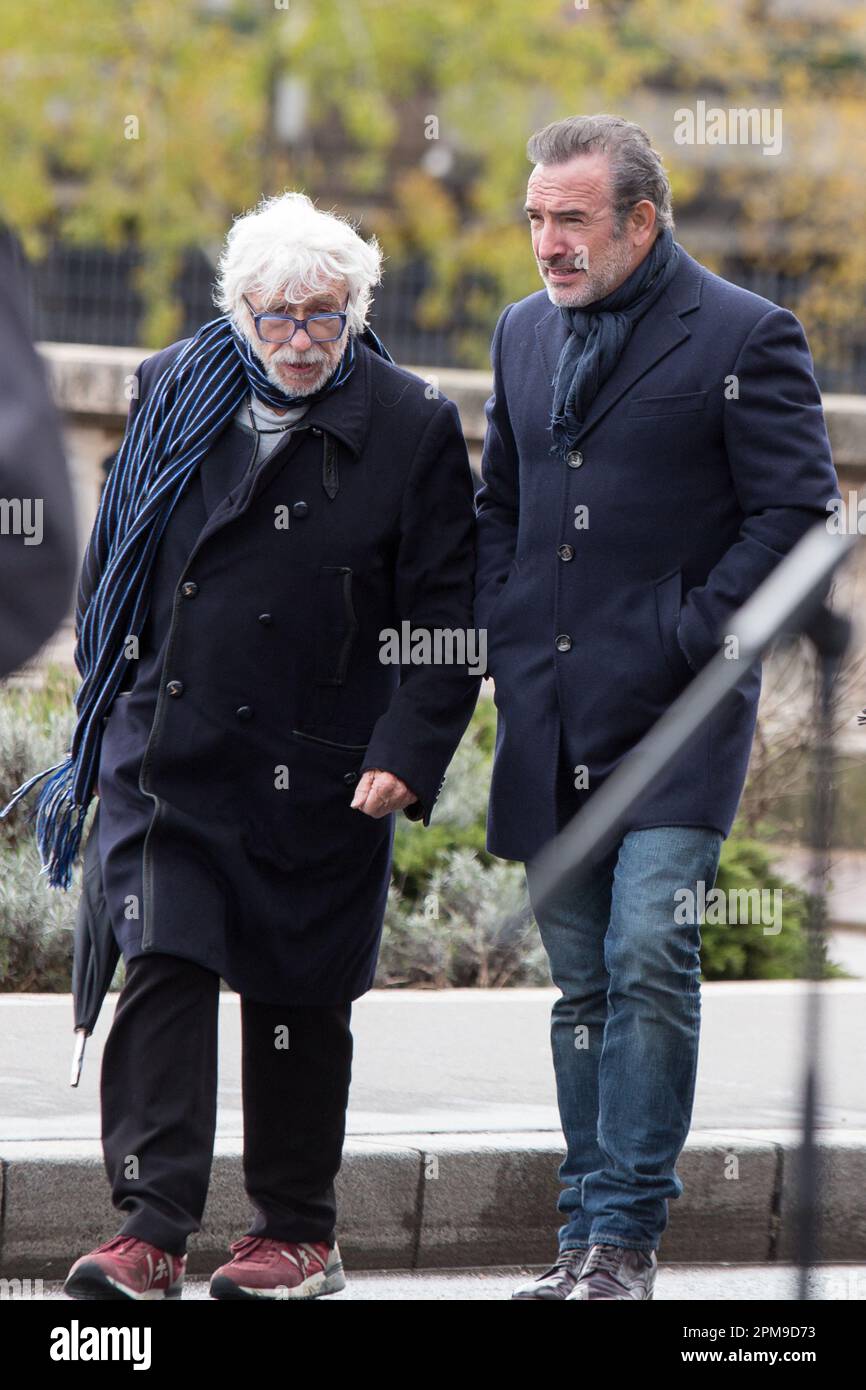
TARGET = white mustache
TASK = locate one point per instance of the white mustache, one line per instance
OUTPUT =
(291, 355)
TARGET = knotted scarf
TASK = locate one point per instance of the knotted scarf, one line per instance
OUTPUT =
(597, 339)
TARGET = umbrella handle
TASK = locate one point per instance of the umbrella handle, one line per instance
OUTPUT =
(81, 1036)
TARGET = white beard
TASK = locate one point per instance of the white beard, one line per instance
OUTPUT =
(288, 354)
(309, 384)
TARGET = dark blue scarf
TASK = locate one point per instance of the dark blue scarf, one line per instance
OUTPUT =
(597, 340)
(170, 435)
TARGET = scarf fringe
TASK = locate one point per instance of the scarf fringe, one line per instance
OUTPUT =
(59, 822)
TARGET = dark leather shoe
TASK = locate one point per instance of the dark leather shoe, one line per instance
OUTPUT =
(610, 1272)
(556, 1282)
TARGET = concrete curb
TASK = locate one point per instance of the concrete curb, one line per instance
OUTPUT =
(415, 1201)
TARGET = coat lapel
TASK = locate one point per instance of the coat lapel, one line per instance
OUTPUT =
(655, 335)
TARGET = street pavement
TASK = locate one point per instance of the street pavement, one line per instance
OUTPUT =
(458, 1085)
(469, 1061)
(695, 1283)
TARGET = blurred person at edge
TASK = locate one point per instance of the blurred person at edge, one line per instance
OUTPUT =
(38, 542)
(655, 445)
(283, 493)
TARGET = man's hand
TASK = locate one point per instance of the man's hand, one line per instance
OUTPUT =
(378, 793)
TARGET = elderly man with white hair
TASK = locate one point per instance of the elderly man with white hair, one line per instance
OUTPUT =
(283, 494)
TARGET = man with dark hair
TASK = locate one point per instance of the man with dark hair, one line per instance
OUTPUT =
(655, 446)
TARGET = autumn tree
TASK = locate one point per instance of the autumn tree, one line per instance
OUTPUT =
(155, 123)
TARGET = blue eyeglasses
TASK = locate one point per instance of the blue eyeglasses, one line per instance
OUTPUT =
(281, 328)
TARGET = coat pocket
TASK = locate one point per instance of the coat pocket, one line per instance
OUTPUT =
(497, 605)
(337, 624)
(329, 742)
(324, 773)
(121, 695)
(646, 406)
(668, 596)
(310, 827)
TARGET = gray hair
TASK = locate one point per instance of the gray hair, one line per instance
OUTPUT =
(636, 170)
(287, 248)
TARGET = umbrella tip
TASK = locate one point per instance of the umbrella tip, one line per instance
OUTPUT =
(78, 1056)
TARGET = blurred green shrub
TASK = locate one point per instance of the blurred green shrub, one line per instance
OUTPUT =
(456, 916)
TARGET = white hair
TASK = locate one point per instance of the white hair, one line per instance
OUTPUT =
(287, 249)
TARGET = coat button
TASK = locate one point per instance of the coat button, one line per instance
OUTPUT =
(350, 778)
(300, 509)
(245, 712)
(574, 459)
(189, 589)
(265, 618)
(316, 431)
(566, 552)
(563, 642)
(174, 688)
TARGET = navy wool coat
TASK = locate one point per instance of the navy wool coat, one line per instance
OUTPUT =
(605, 581)
(230, 757)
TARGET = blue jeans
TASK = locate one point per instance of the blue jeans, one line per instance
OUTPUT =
(625, 1032)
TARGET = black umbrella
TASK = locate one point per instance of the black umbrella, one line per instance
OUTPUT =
(95, 950)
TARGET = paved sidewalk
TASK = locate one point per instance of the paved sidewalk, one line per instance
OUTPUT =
(454, 1134)
(675, 1283)
(465, 1060)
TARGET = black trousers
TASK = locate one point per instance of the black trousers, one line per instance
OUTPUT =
(158, 1092)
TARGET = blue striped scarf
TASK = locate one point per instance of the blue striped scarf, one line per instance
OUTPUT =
(190, 403)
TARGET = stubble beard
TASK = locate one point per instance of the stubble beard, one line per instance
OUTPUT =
(598, 280)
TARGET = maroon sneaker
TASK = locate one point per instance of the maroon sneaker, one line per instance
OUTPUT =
(126, 1268)
(265, 1268)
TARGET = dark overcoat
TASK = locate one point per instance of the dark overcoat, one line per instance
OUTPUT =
(258, 695)
(37, 567)
(605, 580)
